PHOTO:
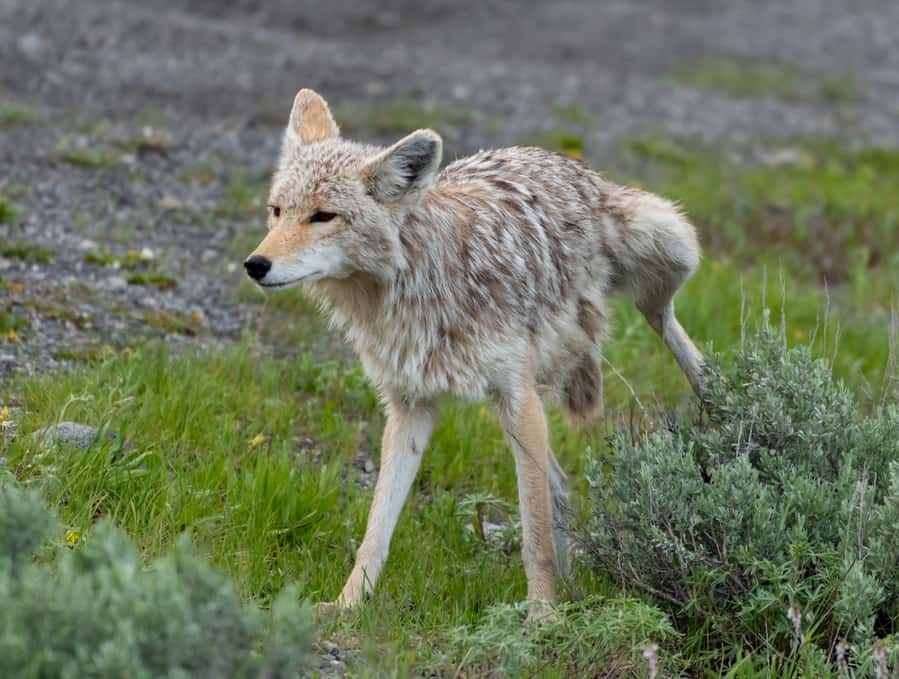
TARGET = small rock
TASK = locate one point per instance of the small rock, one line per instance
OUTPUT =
(116, 282)
(784, 157)
(461, 92)
(369, 466)
(374, 88)
(330, 647)
(31, 45)
(72, 433)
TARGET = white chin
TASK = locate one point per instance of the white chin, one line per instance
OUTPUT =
(289, 283)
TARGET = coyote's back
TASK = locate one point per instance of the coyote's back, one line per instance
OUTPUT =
(510, 259)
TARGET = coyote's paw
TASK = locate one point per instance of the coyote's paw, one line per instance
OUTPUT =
(540, 612)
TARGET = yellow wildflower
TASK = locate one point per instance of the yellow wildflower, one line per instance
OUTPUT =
(72, 537)
(257, 440)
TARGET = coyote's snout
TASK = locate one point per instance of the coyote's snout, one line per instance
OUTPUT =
(487, 280)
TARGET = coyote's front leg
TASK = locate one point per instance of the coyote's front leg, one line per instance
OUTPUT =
(525, 425)
(405, 437)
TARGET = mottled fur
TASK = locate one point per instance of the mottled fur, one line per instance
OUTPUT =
(488, 280)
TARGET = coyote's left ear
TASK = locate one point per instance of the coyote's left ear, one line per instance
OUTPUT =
(311, 120)
(406, 169)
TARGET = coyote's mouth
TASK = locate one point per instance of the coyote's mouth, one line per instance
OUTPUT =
(275, 286)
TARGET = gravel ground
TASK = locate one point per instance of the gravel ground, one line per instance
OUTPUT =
(182, 101)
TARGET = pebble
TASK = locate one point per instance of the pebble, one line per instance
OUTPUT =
(31, 45)
(70, 433)
(330, 647)
(116, 282)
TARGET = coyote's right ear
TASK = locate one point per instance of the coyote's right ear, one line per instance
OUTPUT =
(311, 120)
(406, 169)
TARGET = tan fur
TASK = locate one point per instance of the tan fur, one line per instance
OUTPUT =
(530, 444)
(290, 236)
(487, 280)
(311, 118)
(405, 436)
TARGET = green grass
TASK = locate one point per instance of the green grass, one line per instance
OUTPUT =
(740, 78)
(61, 312)
(8, 212)
(16, 113)
(89, 353)
(152, 279)
(97, 155)
(251, 453)
(27, 252)
(10, 324)
(172, 321)
(101, 258)
(829, 211)
(131, 260)
(564, 142)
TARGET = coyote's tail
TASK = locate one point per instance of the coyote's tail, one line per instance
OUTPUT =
(561, 517)
(654, 254)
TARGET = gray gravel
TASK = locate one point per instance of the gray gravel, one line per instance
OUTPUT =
(214, 82)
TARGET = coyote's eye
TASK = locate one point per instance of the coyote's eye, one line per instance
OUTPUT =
(276, 211)
(321, 216)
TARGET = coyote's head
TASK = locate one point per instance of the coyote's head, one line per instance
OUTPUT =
(335, 206)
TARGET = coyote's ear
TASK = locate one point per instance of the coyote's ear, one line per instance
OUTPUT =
(406, 169)
(311, 120)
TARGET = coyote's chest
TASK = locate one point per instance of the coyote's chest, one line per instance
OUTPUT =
(420, 354)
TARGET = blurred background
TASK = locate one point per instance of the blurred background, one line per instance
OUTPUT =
(136, 140)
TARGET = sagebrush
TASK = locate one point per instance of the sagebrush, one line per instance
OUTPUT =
(95, 610)
(778, 496)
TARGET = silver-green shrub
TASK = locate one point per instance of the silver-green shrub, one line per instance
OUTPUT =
(779, 494)
(96, 610)
(593, 637)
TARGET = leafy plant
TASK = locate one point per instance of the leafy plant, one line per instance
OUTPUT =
(773, 519)
(592, 637)
(98, 612)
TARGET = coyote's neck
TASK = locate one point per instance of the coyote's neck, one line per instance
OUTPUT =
(353, 301)
(401, 325)
(358, 301)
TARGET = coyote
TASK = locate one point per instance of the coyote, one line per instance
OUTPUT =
(487, 280)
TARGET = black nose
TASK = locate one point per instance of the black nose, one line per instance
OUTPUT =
(257, 266)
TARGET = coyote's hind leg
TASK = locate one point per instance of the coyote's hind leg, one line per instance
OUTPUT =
(688, 357)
